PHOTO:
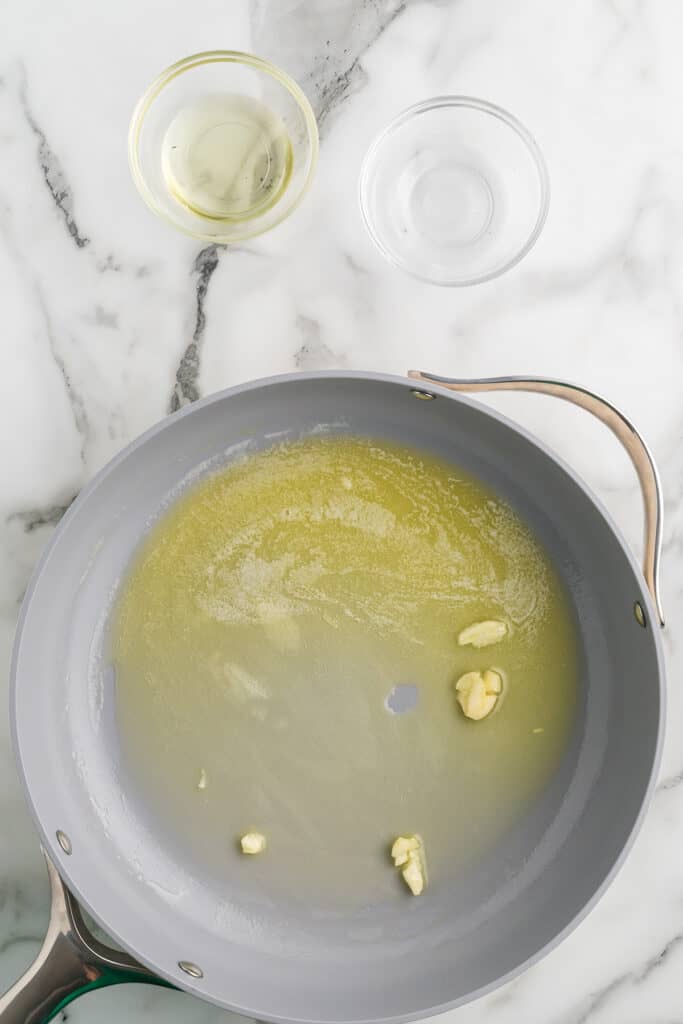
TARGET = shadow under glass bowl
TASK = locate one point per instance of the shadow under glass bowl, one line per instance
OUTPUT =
(193, 95)
(454, 191)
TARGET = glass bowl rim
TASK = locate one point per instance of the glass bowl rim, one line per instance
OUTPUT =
(199, 60)
(484, 107)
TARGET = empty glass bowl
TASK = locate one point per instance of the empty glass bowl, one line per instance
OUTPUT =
(223, 145)
(454, 191)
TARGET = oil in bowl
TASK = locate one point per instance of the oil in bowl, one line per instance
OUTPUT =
(286, 646)
(223, 145)
(227, 157)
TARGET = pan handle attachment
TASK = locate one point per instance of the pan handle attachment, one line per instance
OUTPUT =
(620, 426)
(70, 963)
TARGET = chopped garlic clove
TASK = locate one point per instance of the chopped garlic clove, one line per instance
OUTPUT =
(201, 784)
(493, 682)
(478, 693)
(413, 875)
(483, 634)
(253, 842)
(402, 848)
(408, 854)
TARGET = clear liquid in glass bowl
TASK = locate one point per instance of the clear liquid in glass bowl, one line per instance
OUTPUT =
(454, 191)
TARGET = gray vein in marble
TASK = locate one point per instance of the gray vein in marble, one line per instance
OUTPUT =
(314, 354)
(110, 264)
(185, 389)
(597, 1000)
(33, 518)
(660, 958)
(331, 91)
(53, 174)
(76, 401)
(62, 194)
(670, 782)
(353, 264)
(339, 34)
(105, 318)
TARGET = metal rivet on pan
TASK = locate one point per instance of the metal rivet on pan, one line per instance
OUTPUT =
(64, 841)
(191, 969)
(426, 396)
(639, 614)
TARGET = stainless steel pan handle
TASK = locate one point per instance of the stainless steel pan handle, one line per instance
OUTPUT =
(71, 962)
(620, 426)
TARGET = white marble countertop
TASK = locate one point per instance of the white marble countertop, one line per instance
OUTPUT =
(110, 320)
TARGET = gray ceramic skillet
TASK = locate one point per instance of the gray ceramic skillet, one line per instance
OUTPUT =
(419, 957)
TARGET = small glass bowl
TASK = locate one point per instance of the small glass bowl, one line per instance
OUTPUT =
(216, 74)
(454, 191)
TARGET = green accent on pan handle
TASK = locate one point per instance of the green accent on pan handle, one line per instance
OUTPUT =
(70, 963)
(621, 427)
